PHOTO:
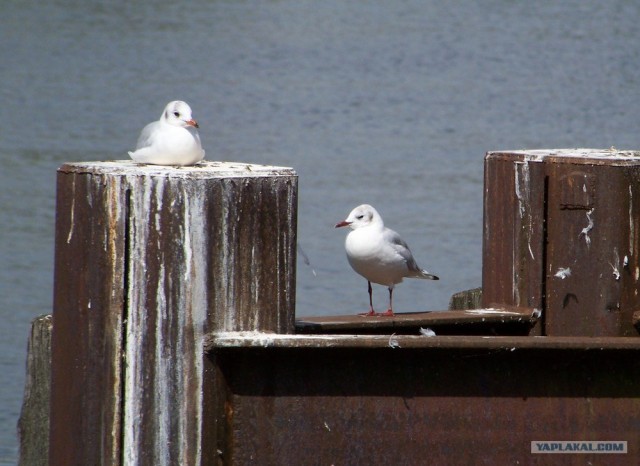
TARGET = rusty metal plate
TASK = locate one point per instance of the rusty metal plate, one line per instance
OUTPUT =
(562, 234)
(514, 321)
(421, 405)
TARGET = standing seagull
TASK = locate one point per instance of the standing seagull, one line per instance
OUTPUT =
(172, 140)
(379, 254)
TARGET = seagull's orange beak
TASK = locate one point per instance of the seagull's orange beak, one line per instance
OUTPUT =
(344, 223)
(193, 123)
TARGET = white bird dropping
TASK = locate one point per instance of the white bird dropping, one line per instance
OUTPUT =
(379, 254)
(172, 140)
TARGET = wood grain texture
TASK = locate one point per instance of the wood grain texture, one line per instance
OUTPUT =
(149, 259)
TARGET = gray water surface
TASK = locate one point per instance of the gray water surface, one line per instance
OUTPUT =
(388, 103)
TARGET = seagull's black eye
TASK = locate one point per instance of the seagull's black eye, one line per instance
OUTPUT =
(360, 217)
(176, 114)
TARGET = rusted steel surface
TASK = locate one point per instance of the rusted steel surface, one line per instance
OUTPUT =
(454, 404)
(87, 340)
(465, 322)
(593, 231)
(148, 260)
(513, 239)
(562, 235)
(245, 340)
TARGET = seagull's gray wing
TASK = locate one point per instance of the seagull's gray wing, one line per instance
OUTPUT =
(402, 249)
(145, 140)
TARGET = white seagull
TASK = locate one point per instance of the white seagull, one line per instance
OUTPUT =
(379, 254)
(172, 140)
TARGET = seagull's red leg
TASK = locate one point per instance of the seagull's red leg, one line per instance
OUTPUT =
(390, 310)
(371, 311)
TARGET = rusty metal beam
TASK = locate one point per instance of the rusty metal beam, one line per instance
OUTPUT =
(452, 400)
(514, 321)
(245, 340)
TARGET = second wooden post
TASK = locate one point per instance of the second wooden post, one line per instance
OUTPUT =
(148, 260)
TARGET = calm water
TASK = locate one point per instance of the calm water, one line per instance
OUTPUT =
(393, 104)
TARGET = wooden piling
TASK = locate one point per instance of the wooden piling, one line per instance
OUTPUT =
(562, 234)
(467, 299)
(513, 237)
(148, 260)
(33, 426)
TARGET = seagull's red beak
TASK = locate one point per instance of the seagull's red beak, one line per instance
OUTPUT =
(344, 223)
(193, 123)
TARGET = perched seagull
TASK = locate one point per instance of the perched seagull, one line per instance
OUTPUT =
(172, 140)
(379, 254)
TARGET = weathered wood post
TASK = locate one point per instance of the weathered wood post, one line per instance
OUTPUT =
(562, 234)
(33, 425)
(148, 260)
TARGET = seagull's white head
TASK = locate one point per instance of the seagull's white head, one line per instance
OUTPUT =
(178, 113)
(362, 216)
